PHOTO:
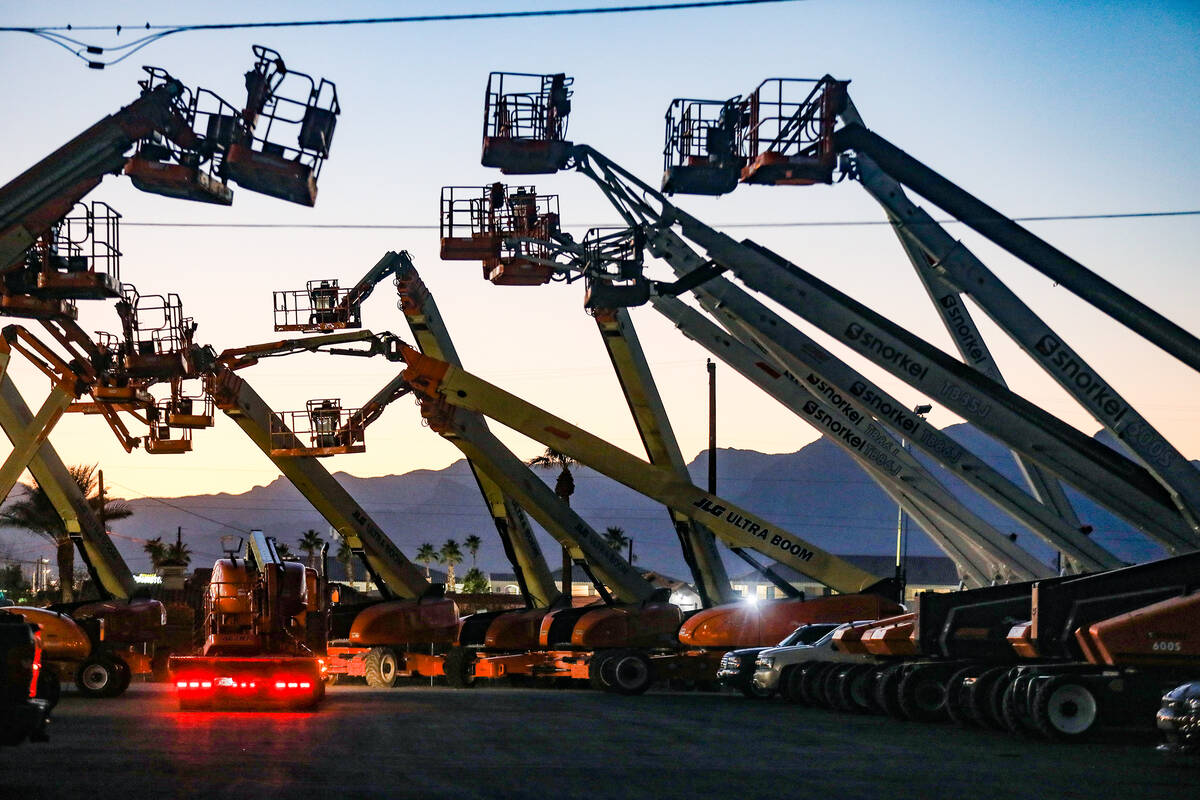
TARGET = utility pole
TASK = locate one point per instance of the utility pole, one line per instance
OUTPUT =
(712, 426)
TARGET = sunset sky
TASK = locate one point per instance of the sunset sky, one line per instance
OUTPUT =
(1039, 109)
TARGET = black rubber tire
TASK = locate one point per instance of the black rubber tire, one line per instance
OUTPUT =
(854, 688)
(98, 676)
(983, 702)
(956, 701)
(1016, 705)
(1065, 709)
(628, 672)
(887, 691)
(459, 666)
(596, 678)
(49, 688)
(832, 688)
(381, 667)
(124, 678)
(922, 694)
(160, 669)
(812, 683)
(790, 682)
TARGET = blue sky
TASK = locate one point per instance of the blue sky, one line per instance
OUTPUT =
(1038, 108)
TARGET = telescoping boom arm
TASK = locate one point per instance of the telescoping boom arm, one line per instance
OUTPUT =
(439, 380)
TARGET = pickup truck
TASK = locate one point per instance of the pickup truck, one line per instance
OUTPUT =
(798, 672)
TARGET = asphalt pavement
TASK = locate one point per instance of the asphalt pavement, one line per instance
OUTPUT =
(425, 742)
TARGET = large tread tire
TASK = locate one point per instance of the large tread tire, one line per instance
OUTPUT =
(1065, 709)
(629, 672)
(791, 680)
(887, 691)
(923, 695)
(98, 676)
(813, 682)
(854, 688)
(755, 693)
(381, 667)
(1016, 705)
(956, 701)
(596, 678)
(459, 666)
(124, 678)
(982, 697)
(832, 688)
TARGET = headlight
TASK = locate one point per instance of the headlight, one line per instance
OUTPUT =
(1194, 704)
(731, 661)
(765, 662)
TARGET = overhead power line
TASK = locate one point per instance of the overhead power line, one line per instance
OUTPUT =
(88, 52)
(334, 226)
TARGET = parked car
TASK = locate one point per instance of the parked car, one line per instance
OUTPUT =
(737, 666)
(1179, 719)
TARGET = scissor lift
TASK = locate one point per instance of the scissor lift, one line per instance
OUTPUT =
(525, 122)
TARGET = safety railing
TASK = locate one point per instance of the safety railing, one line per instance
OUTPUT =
(322, 305)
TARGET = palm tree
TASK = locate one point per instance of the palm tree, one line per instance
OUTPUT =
(426, 554)
(177, 554)
(34, 512)
(310, 543)
(564, 487)
(284, 551)
(450, 554)
(157, 550)
(473, 543)
(346, 557)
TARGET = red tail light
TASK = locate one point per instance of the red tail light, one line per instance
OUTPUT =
(37, 663)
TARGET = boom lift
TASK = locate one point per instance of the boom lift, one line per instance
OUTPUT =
(947, 268)
(186, 145)
(364, 639)
(265, 621)
(93, 643)
(1122, 485)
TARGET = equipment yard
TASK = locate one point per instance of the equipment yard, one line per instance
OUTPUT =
(507, 742)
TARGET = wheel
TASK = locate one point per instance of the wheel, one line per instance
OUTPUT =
(831, 688)
(887, 691)
(995, 702)
(459, 666)
(596, 670)
(380, 667)
(981, 696)
(49, 688)
(922, 695)
(1064, 708)
(812, 682)
(1015, 710)
(790, 682)
(124, 676)
(98, 676)
(853, 688)
(628, 672)
(956, 696)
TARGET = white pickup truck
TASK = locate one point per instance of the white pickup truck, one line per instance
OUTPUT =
(815, 674)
